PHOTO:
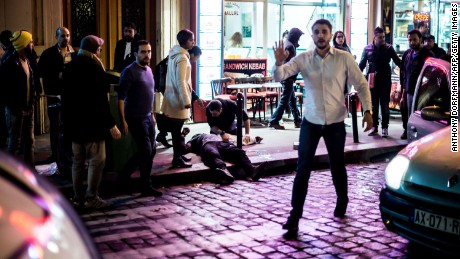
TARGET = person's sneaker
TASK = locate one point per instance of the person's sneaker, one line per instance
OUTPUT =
(404, 135)
(77, 202)
(385, 133)
(259, 171)
(151, 192)
(373, 132)
(276, 126)
(223, 176)
(96, 203)
(297, 124)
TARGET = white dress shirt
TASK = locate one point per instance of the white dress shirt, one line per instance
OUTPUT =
(325, 81)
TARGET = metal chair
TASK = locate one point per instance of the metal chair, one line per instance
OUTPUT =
(219, 90)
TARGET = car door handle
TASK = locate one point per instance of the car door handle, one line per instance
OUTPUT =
(413, 128)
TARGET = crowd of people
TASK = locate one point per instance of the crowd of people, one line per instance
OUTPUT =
(76, 87)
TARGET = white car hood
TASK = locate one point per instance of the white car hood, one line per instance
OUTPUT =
(432, 164)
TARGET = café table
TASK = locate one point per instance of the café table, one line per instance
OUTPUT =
(244, 88)
(276, 85)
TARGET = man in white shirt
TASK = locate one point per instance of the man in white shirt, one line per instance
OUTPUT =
(325, 71)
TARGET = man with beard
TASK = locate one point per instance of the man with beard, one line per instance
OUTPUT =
(51, 65)
(325, 71)
(412, 63)
(378, 55)
(18, 91)
(288, 95)
(124, 52)
(135, 105)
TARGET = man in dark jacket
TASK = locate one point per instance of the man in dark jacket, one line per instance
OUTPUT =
(288, 95)
(18, 94)
(51, 65)
(214, 150)
(431, 45)
(412, 63)
(87, 119)
(9, 49)
(378, 55)
(124, 54)
(221, 116)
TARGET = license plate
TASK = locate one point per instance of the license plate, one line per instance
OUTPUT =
(438, 222)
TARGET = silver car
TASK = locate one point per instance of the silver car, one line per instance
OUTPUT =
(431, 105)
(36, 221)
(421, 197)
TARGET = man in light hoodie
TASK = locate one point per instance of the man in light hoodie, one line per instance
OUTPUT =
(178, 94)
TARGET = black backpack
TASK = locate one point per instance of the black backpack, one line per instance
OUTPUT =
(159, 75)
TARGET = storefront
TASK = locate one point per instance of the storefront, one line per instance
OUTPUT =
(248, 30)
(408, 14)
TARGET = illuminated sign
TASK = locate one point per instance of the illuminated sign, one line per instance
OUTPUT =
(419, 17)
(246, 66)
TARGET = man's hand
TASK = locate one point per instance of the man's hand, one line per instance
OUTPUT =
(246, 138)
(280, 54)
(124, 127)
(225, 137)
(402, 103)
(368, 120)
(116, 134)
(200, 102)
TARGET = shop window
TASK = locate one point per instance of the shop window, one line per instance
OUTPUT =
(433, 90)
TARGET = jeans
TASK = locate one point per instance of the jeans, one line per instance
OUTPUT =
(94, 152)
(287, 98)
(21, 134)
(380, 95)
(216, 153)
(310, 134)
(143, 132)
(406, 109)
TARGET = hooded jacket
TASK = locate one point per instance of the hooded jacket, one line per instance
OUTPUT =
(290, 44)
(178, 90)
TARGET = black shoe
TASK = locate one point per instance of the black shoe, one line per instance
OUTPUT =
(151, 192)
(297, 124)
(179, 162)
(163, 141)
(404, 135)
(223, 176)
(276, 126)
(292, 227)
(341, 207)
(259, 171)
(186, 159)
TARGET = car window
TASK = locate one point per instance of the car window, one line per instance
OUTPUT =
(433, 90)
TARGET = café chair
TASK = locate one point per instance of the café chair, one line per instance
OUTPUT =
(219, 89)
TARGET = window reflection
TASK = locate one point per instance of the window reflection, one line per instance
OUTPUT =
(433, 90)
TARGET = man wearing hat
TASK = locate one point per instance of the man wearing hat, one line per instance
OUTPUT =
(18, 92)
(87, 119)
(288, 95)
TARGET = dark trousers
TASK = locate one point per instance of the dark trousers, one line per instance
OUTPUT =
(162, 128)
(310, 134)
(406, 109)
(3, 128)
(287, 98)
(380, 95)
(142, 130)
(61, 148)
(175, 127)
(216, 153)
(21, 134)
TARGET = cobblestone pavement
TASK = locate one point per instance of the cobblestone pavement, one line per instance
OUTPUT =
(243, 220)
